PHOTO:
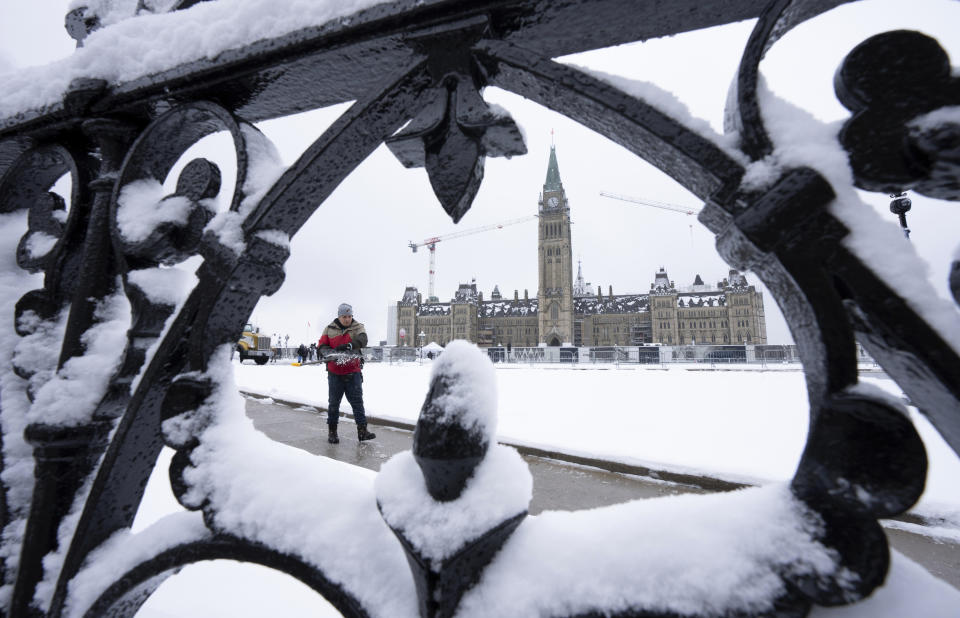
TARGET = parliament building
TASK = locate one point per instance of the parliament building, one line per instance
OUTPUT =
(567, 311)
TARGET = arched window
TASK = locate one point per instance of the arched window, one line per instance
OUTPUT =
(554, 311)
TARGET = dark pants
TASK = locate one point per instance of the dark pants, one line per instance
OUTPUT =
(350, 385)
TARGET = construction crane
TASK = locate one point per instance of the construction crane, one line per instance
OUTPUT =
(645, 202)
(662, 205)
(431, 244)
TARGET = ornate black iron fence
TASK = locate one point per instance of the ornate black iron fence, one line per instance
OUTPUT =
(82, 432)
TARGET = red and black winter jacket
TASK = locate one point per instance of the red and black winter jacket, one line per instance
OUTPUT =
(335, 334)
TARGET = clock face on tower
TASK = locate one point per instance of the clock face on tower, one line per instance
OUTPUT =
(553, 201)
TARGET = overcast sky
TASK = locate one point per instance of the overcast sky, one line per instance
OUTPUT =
(354, 249)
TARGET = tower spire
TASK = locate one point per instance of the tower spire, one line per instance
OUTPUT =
(580, 287)
(553, 172)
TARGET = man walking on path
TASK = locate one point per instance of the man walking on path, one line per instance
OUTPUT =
(344, 377)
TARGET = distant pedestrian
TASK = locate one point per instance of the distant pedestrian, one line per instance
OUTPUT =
(312, 351)
(301, 353)
(344, 373)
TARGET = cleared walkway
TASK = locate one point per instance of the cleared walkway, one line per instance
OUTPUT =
(560, 482)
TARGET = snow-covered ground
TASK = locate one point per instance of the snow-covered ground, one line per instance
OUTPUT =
(744, 425)
(747, 425)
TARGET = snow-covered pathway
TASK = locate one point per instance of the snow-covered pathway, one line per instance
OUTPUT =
(743, 425)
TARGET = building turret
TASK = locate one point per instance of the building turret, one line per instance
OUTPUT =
(663, 309)
(662, 283)
(581, 288)
(407, 309)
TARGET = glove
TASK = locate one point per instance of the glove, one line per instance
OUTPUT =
(344, 347)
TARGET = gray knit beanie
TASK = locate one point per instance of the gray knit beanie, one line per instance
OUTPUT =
(345, 309)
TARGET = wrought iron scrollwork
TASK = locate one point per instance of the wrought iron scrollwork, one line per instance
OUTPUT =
(456, 129)
(880, 474)
(863, 459)
(892, 82)
(129, 459)
(26, 185)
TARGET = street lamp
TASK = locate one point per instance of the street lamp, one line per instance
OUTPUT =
(422, 336)
(900, 206)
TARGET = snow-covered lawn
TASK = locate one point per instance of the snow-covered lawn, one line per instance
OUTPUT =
(745, 425)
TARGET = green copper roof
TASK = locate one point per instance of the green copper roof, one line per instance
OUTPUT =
(553, 172)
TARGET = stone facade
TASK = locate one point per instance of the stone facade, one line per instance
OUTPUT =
(731, 311)
(555, 272)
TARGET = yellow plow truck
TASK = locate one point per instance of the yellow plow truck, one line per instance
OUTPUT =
(254, 345)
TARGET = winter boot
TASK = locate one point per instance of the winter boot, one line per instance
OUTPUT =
(332, 437)
(363, 434)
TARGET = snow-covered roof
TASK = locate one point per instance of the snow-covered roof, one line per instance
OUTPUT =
(433, 309)
(508, 308)
(699, 286)
(693, 299)
(629, 303)
(409, 295)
